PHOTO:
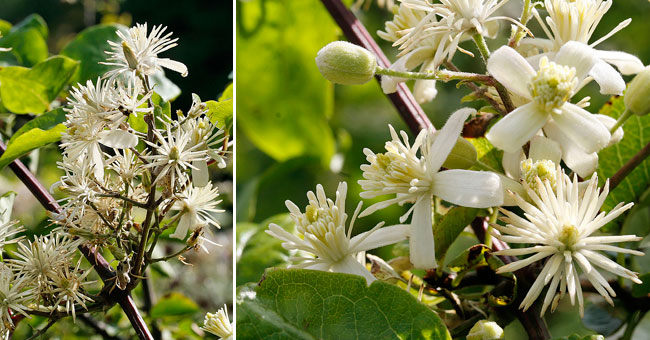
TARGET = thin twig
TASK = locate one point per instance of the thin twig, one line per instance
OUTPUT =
(98, 326)
(631, 164)
(42, 331)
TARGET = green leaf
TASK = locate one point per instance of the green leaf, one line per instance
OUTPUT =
(27, 90)
(164, 87)
(487, 153)
(307, 304)
(37, 133)
(221, 112)
(284, 101)
(611, 159)
(174, 304)
(27, 40)
(604, 319)
(5, 26)
(88, 48)
(449, 227)
(642, 289)
(258, 250)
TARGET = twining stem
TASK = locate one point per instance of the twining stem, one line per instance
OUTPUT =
(519, 34)
(479, 40)
(621, 120)
(631, 164)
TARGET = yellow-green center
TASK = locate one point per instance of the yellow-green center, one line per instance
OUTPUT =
(553, 85)
(569, 236)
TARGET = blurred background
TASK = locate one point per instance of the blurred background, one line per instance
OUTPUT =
(295, 129)
(205, 44)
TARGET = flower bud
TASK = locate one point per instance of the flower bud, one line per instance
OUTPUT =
(344, 63)
(485, 330)
(637, 96)
(130, 57)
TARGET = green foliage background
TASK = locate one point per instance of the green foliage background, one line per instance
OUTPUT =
(295, 130)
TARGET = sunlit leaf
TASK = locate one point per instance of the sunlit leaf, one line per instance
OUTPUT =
(307, 304)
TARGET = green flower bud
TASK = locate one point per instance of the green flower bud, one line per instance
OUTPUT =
(130, 57)
(344, 63)
(462, 156)
(637, 96)
(485, 330)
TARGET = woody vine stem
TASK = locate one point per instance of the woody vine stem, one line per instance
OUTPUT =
(104, 270)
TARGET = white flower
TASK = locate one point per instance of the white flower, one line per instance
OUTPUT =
(94, 102)
(429, 33)
(218, 324)
(94, 119)
(196, 207)
(174, 155)
(576, 21)
(68, 288)
(322, 232)
(14, 297)
(133, 96)
(40, 260)
(560, 224)
(206, 137)
(137, 53)
(425, 54)
(549, 90)
(415, 179)
(79, 184)
(7, 231)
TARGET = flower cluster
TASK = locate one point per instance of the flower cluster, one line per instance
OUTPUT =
(543, 130)
(130, 172)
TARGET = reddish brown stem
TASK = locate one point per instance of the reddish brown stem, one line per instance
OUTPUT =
(96, 259)
(355, 32)
(631, 164)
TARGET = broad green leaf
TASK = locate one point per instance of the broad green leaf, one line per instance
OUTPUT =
(27, 40)
(307, 304)
(37, 133)
(604, 319)
(88, 47)
(449, 227)
(257, 250)
(221, 111)
(283, 101)
(487, 153)
(611, 159)
(25, 90)
(174, 304)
